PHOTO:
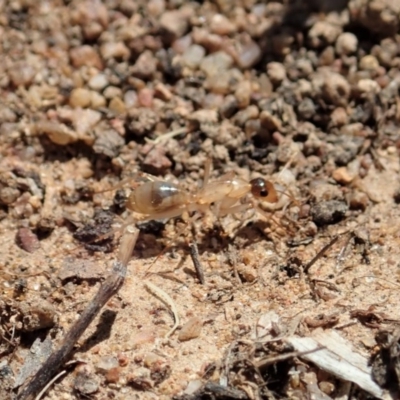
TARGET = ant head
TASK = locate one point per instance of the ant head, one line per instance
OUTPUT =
(263, 190)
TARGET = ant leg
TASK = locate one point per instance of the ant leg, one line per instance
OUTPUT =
(169, 244)
(268, 216)
(221, 212)
(207, 173)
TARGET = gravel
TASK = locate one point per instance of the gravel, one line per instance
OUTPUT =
(261, 88)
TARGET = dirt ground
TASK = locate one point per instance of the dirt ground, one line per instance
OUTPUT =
(305, 94)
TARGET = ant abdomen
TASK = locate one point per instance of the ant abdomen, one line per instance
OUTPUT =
(156, 197)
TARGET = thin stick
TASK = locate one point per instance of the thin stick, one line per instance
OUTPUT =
(107, 290)
(40, 395)
(321, 253)
(194, 254)
(163, 296)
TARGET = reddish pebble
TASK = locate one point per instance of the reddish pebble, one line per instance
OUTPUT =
(191, 329)
(27, 240)
(123, 360)
(145, 97)
(112, 375)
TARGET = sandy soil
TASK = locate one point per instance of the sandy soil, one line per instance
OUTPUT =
(305, 96)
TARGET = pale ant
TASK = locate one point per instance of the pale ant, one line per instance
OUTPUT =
(157, 199)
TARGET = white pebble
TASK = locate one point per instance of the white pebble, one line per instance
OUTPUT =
(98, 82)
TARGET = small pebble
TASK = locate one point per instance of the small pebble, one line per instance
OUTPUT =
(57, 133)
(342, 175)
(346, 43)
(27, 240)
(114, 50)
(327, 387)
(221, 25)
(243, 93)
(276, 72)
(156, 7)
(85, 56)
(328, 212)
(339, 117)
(112, 375)
(112, 91)
(80, 97)
(331, 86)
(369, 63)
(21, 74)
(322, 33)
(174, 23)
(37, 314)
(368, 86)
(106, 363)
(145, 97)
(156, 160)
(248, 53)
(145, 66)
(117, 106)
(97, 100)
(8, 195)
(247, 272)
(216, 63)
(150, 359)
(191, 329)
(358, 201)
(98, 82)
(193, 56)
(86, 383)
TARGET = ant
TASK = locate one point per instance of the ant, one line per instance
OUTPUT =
(158, 199)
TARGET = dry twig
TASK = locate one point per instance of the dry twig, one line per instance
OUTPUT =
(108, 289)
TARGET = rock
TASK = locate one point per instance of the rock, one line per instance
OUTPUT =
(37, 314)
(141, 121)
(346, 44)
(8, 195)
(221, 25)
(58, 133)
(117, 106)
(378, 16)
(276, 72)
(114, 50)
(328, 212)
(27, 240)
(85, 56)
(191, 329)
(156, 161)
(358, 201)
(86, 383)
(339, 117)
(323, 33)
(22, 73)
(80, 97)
(216, 63)
(342, 175)
(247, 52)
(145, 66)
(193, 56)
(98, 82)
(108, 141)
(368, 86)
(106, 363)
(174, 23)
(331, 86)
(369, 63)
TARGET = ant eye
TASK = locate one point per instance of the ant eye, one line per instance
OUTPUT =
(259, 187)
